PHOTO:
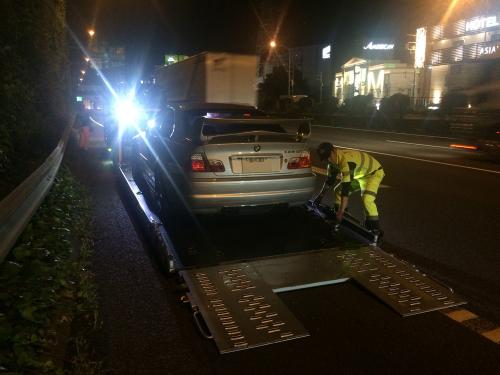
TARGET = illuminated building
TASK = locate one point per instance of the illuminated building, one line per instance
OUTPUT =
(460, 56)
(382, 68)
(380, 78)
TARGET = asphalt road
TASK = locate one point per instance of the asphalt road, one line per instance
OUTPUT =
(439, 207)
(147, 331)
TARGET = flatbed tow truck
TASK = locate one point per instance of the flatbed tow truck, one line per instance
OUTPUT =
(234, 282)
(237, 291)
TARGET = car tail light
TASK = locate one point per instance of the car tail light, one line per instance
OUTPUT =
(199, 163)
(304, 161)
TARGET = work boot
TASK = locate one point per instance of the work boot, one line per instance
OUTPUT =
(372, 225)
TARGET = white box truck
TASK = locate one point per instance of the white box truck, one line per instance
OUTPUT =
(211, 77)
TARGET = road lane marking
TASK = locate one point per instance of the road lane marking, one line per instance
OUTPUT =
(468, 319)
(422, 160)
(322, 171)
(461, 315)
(418, 144)
(493, 335)
(384, 132)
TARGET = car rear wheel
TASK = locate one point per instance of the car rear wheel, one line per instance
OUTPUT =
(167, 201)
(135, 164)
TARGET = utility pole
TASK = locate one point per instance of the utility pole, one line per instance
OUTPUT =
(274, 45)
(289, 71)
(321, 87)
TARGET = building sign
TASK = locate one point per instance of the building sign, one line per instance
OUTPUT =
(484, 52)
(376, 83)
(325, 53)
(420, 45)
(379, 46)
(481, 23)
(487, 50)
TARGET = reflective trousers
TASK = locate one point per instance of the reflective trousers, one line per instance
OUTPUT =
(368, 186)
(84, 137)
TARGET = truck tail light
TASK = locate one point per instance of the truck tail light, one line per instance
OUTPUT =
(304, 161)
(199, 163)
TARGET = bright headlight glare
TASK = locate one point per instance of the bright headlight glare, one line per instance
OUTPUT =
(127, 112)
(151, 123)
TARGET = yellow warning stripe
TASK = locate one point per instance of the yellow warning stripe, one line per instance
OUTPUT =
(461, 315)
(465, 316)
(493, 335)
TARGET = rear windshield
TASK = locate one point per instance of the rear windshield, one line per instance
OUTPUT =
(235, 128)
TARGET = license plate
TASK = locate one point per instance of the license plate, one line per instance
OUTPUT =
(255, 160)
(256, 165)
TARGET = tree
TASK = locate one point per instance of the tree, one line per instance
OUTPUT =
(360, 104)
(453, 99)
(34, 79)
(397, 104)
(328, 106)
(275, 85)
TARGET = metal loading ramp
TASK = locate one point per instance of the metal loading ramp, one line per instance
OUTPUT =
(241, 308)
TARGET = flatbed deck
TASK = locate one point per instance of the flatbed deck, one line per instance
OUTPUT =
(235, 267)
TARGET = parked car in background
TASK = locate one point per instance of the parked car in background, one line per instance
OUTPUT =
(216, 158)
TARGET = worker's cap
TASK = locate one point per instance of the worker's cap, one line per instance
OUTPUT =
(324, 150)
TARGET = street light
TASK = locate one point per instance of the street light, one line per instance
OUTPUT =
(91, 32)
(83, 71)
(273, 45)
(87, 59)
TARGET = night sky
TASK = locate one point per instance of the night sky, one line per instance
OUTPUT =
(150, 28)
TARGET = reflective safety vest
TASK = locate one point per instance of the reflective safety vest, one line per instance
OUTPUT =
(353, 165)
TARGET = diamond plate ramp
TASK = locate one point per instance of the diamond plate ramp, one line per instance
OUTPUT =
(399, 285)
(242, 310)
(239, 309)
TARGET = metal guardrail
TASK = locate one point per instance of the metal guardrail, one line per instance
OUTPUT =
(17, 208)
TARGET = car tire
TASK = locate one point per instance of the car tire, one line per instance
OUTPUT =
(135, 164)
(166, 198)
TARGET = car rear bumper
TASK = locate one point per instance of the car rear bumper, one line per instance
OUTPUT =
(214, 195)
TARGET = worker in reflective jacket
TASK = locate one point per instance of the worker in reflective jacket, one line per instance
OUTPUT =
(359, 171)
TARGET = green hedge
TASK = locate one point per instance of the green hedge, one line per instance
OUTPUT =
(46, 284)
